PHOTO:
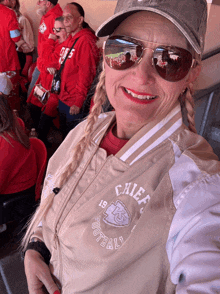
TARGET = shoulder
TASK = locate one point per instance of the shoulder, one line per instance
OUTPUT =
(55, 12)
(195, 164)
(86, 36)
(9, 11)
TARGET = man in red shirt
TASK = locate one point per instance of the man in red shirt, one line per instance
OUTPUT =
(9, 34)
(49, 10)
(9, 62)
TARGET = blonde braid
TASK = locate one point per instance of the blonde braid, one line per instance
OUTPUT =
(189, 105)
(99, 100)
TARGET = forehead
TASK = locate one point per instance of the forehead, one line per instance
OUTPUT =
(151, 27)
(58, 24)
(71, 10)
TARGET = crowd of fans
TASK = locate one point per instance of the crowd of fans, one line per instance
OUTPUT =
(63, 34)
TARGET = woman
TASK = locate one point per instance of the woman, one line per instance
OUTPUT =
(79, 69)
(18, 168)
(26, 44)
(136, 208)
(43, 114)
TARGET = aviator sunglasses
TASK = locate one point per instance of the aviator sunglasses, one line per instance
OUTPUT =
(171, 63)
(58, 30)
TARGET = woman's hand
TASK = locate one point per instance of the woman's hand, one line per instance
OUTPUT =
(51, 70)
(53, 37)
(38, 274)
(74, 110)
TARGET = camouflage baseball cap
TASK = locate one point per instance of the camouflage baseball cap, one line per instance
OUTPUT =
(189, 16)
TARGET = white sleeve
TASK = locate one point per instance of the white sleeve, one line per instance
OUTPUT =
(193, 245)
(27, 34)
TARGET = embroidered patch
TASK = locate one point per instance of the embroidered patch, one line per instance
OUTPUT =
(42, 28)
(117, 215)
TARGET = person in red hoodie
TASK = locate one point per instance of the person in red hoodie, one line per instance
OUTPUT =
(80, 67)
(49, 10)
(43, 115)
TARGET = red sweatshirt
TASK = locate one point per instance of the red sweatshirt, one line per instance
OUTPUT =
(51, 51)
(80, 67)
(46, 28)
(9, 34)
(18, 167)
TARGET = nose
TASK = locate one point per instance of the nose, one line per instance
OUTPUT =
(144, 71)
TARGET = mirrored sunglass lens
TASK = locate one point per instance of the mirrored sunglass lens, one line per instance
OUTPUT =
(172, 64)
(121, 54)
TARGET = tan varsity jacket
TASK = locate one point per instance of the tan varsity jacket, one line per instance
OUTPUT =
(143, 221)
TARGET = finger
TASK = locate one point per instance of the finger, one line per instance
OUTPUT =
(49, 284)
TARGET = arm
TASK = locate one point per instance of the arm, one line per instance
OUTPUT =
(193, 245)
(51, 55)
(8, 160)
(26, 44)
(13, 27)
(38, 272)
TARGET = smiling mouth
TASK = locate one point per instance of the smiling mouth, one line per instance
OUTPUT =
(140, 96)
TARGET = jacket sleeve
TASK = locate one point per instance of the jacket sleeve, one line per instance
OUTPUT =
(26, 44)
(86, 60)
(50, 56)
(193, 244)
(8, 160)
(13, 27)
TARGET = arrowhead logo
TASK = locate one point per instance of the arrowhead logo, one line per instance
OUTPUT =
(117, 215)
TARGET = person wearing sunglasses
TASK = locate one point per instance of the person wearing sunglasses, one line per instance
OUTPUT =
(43, 115)
(131, 202)
(48, 10)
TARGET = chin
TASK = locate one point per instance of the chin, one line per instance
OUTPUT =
(40, 12)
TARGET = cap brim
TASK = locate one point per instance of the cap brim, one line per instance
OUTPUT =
(109, 26)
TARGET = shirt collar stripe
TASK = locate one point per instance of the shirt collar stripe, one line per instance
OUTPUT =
(149, 134)
(166, 135)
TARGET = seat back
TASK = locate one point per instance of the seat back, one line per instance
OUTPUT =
(41, 156)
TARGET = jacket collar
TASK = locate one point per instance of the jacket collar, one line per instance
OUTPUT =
(147, 138)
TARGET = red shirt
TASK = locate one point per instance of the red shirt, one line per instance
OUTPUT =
(18, 166)
(111, 143)
(9, 34)
(46, 28)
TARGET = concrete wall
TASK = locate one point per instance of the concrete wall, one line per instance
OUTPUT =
(210, 74)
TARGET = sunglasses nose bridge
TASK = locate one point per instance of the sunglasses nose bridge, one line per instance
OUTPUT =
(144, 71)
(144, 54)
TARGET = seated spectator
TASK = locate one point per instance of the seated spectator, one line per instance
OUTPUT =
(43, 115)
(25, 46)
(18, 168)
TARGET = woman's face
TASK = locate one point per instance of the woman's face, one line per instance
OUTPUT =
(13, 3)
(72, 18)
(62, 35)
(138, 94)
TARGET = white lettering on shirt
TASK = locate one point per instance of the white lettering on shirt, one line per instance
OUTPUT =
(103, 240)
(63, 53)
(132, 189)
